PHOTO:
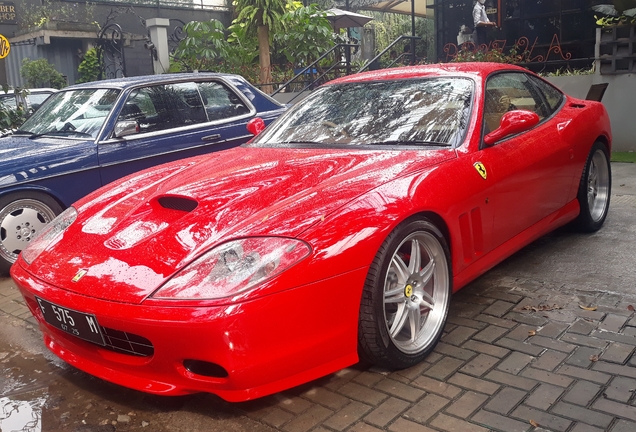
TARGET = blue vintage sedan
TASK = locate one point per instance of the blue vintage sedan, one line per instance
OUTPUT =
(90, 134)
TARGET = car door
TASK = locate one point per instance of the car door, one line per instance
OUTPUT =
(527, 168)
(174, 122)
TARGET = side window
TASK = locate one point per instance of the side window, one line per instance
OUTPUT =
(220, 101)
(552, 96)
(164, 107)
(510, 91)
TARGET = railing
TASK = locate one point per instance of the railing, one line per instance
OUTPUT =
(313, 74)
(375, 59)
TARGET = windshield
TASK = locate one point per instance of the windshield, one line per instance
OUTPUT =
(76, 113)
(429, 111)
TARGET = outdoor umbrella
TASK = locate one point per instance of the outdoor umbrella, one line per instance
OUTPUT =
(344, 19)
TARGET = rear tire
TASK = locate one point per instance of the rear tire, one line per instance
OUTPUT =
(406, 297)
(594, 190)
(22, 216)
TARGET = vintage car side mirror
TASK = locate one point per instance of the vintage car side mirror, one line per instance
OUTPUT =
(512, 122)
(125, 128)
(255, 126)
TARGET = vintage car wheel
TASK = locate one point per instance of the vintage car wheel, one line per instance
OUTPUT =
(406, 297)
(22, 216)
(594, 190)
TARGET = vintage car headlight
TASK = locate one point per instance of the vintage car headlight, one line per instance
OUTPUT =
(234, 267)
(49, 234)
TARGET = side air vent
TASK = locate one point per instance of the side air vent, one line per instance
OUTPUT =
(178, 203)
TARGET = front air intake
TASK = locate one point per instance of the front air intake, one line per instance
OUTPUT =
(178, 203)
(204, 368)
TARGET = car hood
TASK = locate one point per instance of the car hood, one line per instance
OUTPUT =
(130, 237)
(23, 159)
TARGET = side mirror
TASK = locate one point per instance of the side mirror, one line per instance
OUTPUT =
(255, 126)
(125, 128)
(512, 122)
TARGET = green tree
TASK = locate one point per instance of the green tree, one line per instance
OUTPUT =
(89, 67)
(41, 73)
(262, 16)
(204, 44)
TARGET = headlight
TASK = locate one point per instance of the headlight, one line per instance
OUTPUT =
(49, 234)
(234, 267)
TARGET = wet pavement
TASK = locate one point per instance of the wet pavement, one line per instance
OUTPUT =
(543, 342)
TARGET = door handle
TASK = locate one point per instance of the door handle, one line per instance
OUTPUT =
(214, 137)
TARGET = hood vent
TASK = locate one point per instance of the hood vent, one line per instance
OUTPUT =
(178, 203)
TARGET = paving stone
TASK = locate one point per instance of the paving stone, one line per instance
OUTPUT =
(615, 369)
(582, 393)
(549, 360)
(585, 374)
(613, 323)
(484, 348)
(589, 341)
(528, 319)
(325, 397)
(544, 419)
(459, 335)
(552, 329)
(621, 389)
(552, 344)
(466, 404)
(308, 419)
(505, 400)
(544, 396)
(336, 380)
(582, 427)
(444, 368)
(386, 412)
(582, 327)
(515, 363)
(467, 322)
(426, 408)
(476, 384)
(465, 310)
(479, 365)
(291, 403)
(511, 380)
(499, 422)
(466, 297)
(438, 387)
(615, 408)
(448, 423)
(362, 393)
(501, 322)
(364, 427)
(414, 371)
(277, 417)
(581, 414)
(453, 351)
(590, 315)
(519, 346)
(521, 332)
(616, 337)
(404, 425)
(346, 416)
(498, 308)
(582, 355)
(624, 426)
(368, 378)
(400, 390)
(629, 331)
(617, 352)
(490, 333)
(548, 377)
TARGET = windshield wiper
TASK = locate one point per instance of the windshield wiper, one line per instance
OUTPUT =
(22, 132)
(60, 132)
(412, 142)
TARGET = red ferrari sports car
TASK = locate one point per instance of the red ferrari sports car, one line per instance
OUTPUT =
(338, 233)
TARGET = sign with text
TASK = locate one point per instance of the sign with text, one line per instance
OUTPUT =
(5, 47)
(7, 13)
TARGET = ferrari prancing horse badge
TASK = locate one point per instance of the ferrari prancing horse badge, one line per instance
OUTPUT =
(481, 169)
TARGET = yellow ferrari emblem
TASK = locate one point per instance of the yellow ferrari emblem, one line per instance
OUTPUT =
(481, 169)
(80, 274)
(408, 291)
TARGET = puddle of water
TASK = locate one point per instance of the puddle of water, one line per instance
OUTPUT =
(21, 416)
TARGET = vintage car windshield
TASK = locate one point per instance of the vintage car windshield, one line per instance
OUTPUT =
(409, 112)
(73, 113)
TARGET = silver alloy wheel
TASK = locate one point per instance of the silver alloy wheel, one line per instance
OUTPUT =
(598, 181)
(416, 292)
(20, 221)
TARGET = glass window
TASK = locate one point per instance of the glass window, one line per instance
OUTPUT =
(552, 96)
(164, 107)
(221, 102)
(415, 112)
(74, 113)
(510, 91)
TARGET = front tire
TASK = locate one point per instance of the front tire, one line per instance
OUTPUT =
(22, 216)
(406, 297)
(594, 190)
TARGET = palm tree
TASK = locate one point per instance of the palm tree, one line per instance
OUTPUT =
(262, 16)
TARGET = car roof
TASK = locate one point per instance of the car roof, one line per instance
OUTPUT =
(477, 70)
(122, 83)
(31, 91)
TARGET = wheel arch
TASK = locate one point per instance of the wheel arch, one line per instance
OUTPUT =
(35, 189)
(605, 141)
(436, 219)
